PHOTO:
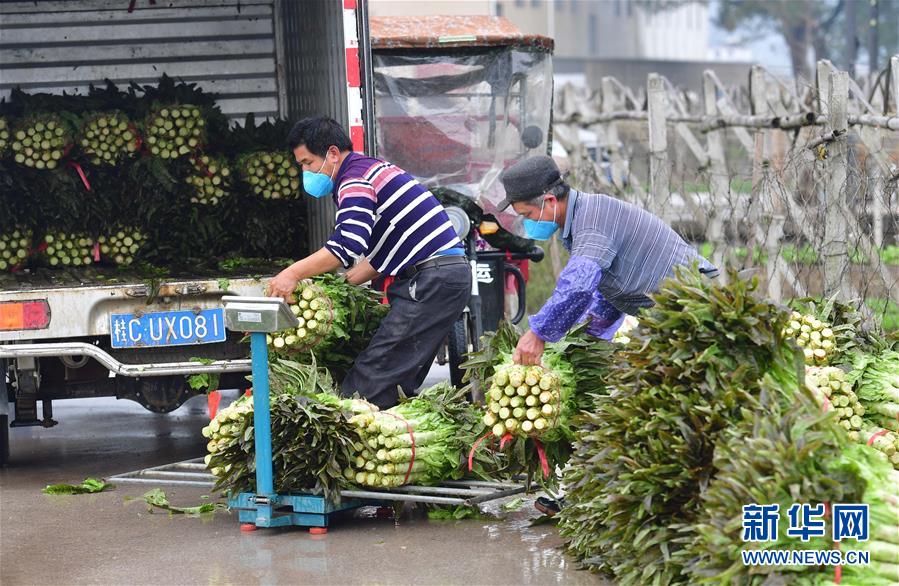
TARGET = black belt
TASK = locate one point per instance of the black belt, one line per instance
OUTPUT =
(440, 261)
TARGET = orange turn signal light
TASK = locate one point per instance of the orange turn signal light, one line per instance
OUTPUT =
(33, 314)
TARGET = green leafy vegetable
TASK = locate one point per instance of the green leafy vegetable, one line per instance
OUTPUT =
(457, 513)
(90, 485)
(157, 499)
(513, 505)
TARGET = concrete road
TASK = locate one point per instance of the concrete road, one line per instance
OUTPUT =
(102, 539)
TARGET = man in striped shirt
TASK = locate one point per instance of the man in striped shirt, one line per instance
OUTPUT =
(387, 223)
(619, 254)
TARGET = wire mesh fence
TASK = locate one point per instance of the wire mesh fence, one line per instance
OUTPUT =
(799, 185)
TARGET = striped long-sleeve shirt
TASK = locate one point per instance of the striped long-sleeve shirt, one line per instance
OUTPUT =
(634, 249)
(386, 216)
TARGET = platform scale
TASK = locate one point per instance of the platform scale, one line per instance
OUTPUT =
(265, 508)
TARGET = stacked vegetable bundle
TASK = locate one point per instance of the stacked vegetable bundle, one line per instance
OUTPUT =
(40, 141)
(578, 361)
(527, 401)
(4, 136)
(108, 137)
(783, 454)
(62, 249)
(705, 414)
(695, 368)
(316, 315)
(834, 392)
(15, 247)
(121, 247)
(211, 180)
(877, 386)
(174, 131)
(272, 175)
(336, 322)
(312, 439)
(155, 153)
(420, 441)
(814, 336)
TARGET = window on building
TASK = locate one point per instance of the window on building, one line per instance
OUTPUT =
(499, 8)
(535, 3)
(592, 35)
(559, 4)
(519, 2)
(574, 5)
(617, 8)
(630, 7)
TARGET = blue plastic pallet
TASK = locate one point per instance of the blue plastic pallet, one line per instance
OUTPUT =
(303, 510)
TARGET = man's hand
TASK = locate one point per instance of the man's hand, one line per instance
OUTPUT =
(529, 350)
(283, 285)
(285, 282)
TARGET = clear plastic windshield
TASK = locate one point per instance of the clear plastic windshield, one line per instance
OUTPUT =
(458, 119)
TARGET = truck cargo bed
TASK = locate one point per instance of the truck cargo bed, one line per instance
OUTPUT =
(56, 278)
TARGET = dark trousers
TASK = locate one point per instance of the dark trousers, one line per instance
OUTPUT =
(423, 309)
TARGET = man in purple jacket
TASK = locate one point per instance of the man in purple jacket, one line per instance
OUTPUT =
(619, 254)
(387, 223)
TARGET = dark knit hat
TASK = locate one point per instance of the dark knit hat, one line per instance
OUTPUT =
(529, 178)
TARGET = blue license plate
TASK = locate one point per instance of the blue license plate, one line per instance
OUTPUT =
(167, 328)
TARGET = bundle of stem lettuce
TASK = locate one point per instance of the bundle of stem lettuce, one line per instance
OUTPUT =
(211, 179)
(15, 247)
(784, 453)
(834, 393)
(643, 455)
(4, 136)
(121, 246)
(528, 401)
(41, 140)
(271, 174)
(580, 359)
(64, 249)
(108, 137)
(337, 321)
(877, 386)
(420, 441)
(814, 336)
(316, 314)
(827, 330)
(175, 131)
(312, 438)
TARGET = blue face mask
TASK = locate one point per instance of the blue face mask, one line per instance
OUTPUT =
(317, 184)
(540, 229)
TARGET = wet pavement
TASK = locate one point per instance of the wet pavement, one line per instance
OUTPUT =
(102, 539)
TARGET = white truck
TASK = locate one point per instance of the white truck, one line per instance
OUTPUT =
(63, 335)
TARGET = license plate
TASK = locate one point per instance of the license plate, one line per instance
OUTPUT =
(167, 328)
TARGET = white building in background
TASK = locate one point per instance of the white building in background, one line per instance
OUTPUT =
(618, 29)
(593, 38)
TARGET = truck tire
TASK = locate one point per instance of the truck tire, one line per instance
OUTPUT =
(4, 417)
(457, 347)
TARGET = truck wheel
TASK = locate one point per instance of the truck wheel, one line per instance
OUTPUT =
(4, 417)
(457, 347)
